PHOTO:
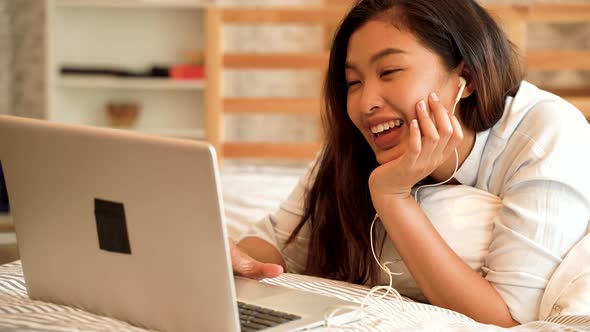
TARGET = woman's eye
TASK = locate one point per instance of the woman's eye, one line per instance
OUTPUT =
(388, 72)
(351, 83)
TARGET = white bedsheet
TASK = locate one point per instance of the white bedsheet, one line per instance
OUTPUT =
(249, 193)
(19, 313)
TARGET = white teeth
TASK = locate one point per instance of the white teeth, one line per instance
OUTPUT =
(385, 126)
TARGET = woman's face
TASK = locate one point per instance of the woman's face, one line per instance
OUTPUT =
(388, 72)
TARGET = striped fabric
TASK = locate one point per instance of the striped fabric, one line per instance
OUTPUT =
(19, 313)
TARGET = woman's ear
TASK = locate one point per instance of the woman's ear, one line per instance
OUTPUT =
(465, 72)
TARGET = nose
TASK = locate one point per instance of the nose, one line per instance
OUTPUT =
(371, 99)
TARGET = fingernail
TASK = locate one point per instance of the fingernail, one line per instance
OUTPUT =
(422, 105)
(434, 96)
(414, 123)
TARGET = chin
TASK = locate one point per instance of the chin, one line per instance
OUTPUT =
(386, 156)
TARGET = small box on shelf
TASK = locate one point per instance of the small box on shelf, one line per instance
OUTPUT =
(195, 57)
(187, 72)
(123, 114)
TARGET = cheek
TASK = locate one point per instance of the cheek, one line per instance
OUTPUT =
(410, 89)
(402, 98)
(353, 113)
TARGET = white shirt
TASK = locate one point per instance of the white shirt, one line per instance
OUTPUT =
(532, 171)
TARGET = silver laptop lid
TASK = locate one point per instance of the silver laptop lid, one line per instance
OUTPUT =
(120, 224)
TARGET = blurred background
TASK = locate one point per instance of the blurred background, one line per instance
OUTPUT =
(24, 48)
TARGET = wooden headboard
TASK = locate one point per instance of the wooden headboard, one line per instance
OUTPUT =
(516, 21)
(514, 18)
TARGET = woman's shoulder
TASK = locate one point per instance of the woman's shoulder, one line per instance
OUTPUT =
(542, 118)
(546, 111)
(540, 136)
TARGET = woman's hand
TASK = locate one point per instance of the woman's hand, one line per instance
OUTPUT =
(429, 145)
(246, 266)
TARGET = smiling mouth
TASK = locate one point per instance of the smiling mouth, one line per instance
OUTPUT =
(386, 127)
(388, 134)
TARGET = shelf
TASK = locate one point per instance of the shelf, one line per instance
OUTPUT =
(134, 3)
(132, 35)
(86, 81)
(198, 134)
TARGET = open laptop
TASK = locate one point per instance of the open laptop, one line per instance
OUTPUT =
(131, 226)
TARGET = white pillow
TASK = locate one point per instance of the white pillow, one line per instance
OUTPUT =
(568, 290)
(463, 216)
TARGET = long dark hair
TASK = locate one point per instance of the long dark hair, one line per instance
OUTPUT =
(338, 205)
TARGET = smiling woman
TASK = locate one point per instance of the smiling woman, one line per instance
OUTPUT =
(403, 72)
(422, 92)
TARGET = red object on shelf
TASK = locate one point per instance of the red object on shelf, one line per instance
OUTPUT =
(180, 72)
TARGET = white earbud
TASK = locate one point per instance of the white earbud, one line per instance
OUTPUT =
(462, 84)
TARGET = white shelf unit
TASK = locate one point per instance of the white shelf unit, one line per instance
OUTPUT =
(132, 35)
(133, 3)
(92, 82)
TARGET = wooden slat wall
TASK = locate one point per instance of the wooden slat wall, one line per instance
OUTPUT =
(328, 16)
(542, 13)
(214, 73)
(557, 60)
(286, 151)
(514, 18)
(269, 105)
(276, 61)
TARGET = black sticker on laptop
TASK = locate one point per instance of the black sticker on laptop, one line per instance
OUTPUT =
(111, 226)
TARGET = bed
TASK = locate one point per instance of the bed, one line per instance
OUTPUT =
(249, 193)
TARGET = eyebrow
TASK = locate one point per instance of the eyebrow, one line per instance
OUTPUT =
(379, 55)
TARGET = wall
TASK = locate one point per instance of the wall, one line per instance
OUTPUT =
(5, 58)
(22, 83)
(278, 83)
(556, 36)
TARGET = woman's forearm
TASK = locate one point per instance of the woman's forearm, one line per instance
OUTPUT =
(444, 278)
(261, 251)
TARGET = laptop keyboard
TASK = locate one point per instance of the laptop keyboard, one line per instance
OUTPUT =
(254, 318)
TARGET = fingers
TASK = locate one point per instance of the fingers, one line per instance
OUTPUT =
(415, 142)
(457, 136)
(430, 136)
(246, 266)
(271, 270)
(441, 132)
(443, 123)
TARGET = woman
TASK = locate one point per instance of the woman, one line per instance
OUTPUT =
(397, 118)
